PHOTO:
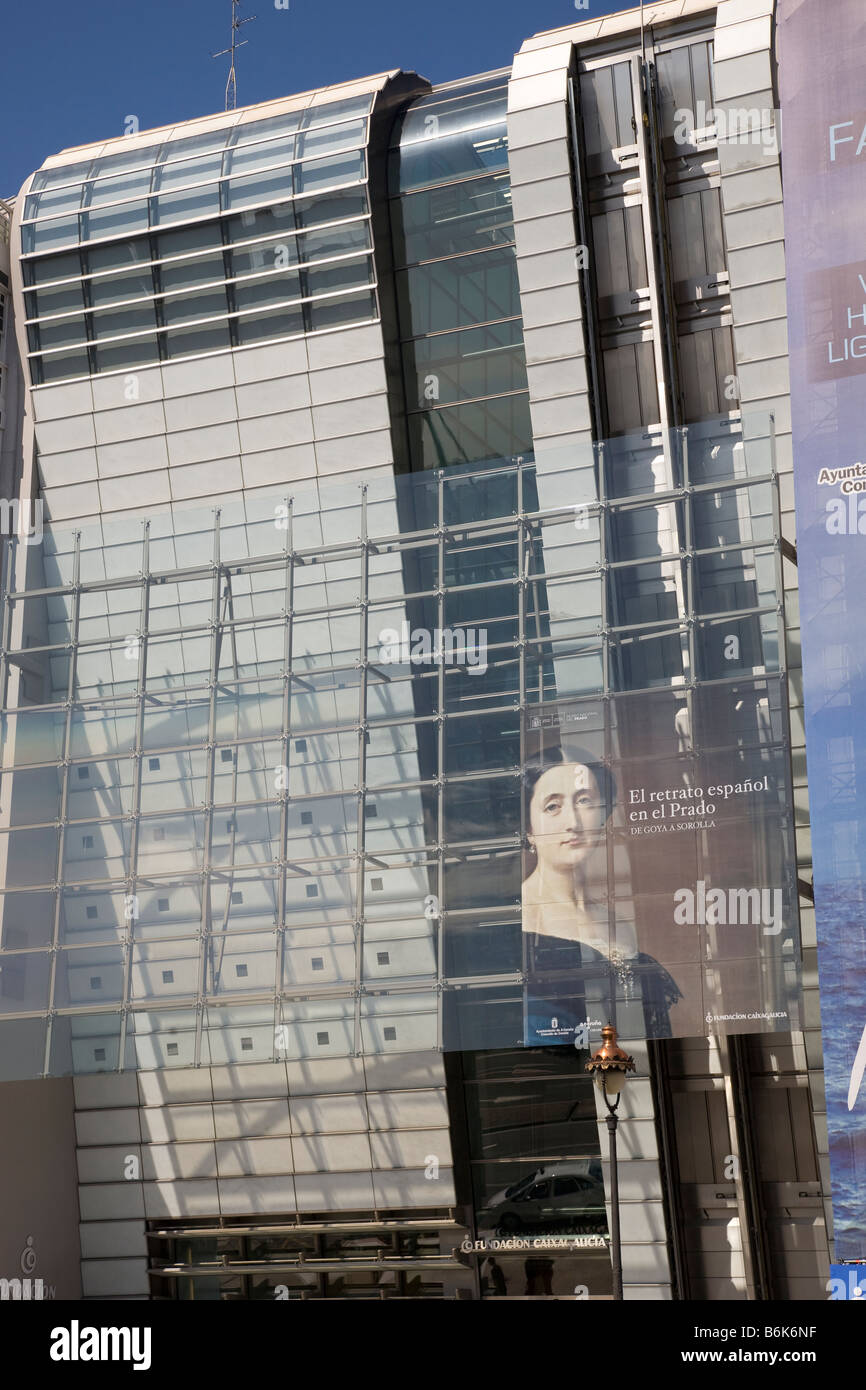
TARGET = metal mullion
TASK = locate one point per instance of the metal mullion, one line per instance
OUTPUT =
(207, 848)
(361, 842)
(64, 802)
(131, 884)
(440, 755)
(286, 735)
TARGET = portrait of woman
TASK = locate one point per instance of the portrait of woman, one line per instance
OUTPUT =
(582, 961)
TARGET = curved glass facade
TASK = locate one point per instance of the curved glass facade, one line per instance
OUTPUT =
(464, 367)
(249, 233)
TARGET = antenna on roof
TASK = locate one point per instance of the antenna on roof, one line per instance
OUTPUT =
(231, 84)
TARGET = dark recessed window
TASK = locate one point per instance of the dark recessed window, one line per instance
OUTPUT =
(237, 899)
(153, 764)
(370, 810)
(317, 962)
(99, 1054)
(87, 841)
(390, 1034)
(377, 884)
(96, 982)
(168, 977)
(230, 826)
(306, 818)
(84, 774)
(92, 912)
(162, 904)
(227, 755)
(383, 958)
(171, 1049)
(159, 833)
(300, 745)
(322, 1039)
(312, 890)
(241, 971)
(246, 1044)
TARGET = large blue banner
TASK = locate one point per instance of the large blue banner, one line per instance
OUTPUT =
(822, 57)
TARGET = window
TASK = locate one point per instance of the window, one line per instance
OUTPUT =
(83, 774)
(237, 898)
(162, 904)
(241, 971)
(383, 958)
(87, 841)
(153, 764)
(96, 982)
(171, 1049)
(312, 890)
(306, 818)
(168, 977)
(322, 1039)
(246, 1044)
(390, 1034)
(92, 912)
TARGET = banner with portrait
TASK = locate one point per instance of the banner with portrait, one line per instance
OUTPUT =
(659, 884)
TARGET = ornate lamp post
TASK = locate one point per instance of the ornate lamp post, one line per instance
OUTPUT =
(609, 1066)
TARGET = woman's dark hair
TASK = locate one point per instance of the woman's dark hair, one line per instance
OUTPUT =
(535, 768)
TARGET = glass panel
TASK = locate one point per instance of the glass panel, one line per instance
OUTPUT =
(329, 207)
(341, 275)
(207, 304)
(187, 172)
(248, 132)
(134, 352)
(494, 429)
(270, 153)
(176, 275)
(45, 236)
(195, 202)
(113, 289)
(55, 201)
(350, 135)
(63, 173)
(273, 323)
(130, 318)
(114, 221)
(52, 268)
(59, 332)
(264, 255)
(186, 239)
(118, 190)
(341, 168)
(59, 366)
(258, 188)
(123, 253)
(473, 363)
(269, 289)
(466, 290)
(468, 216)
(333, 313)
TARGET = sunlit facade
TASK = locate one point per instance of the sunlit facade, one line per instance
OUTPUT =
(306, 379)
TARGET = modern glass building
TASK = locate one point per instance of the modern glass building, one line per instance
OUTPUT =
(374, 429)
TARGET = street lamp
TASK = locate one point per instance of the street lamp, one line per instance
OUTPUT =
(609, 1066)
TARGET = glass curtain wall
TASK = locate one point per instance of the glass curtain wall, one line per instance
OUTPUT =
(464, 368)
(249, 233)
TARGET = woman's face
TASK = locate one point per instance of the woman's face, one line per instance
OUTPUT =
(566, 816)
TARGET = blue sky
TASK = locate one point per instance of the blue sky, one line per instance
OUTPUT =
(72, 72)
